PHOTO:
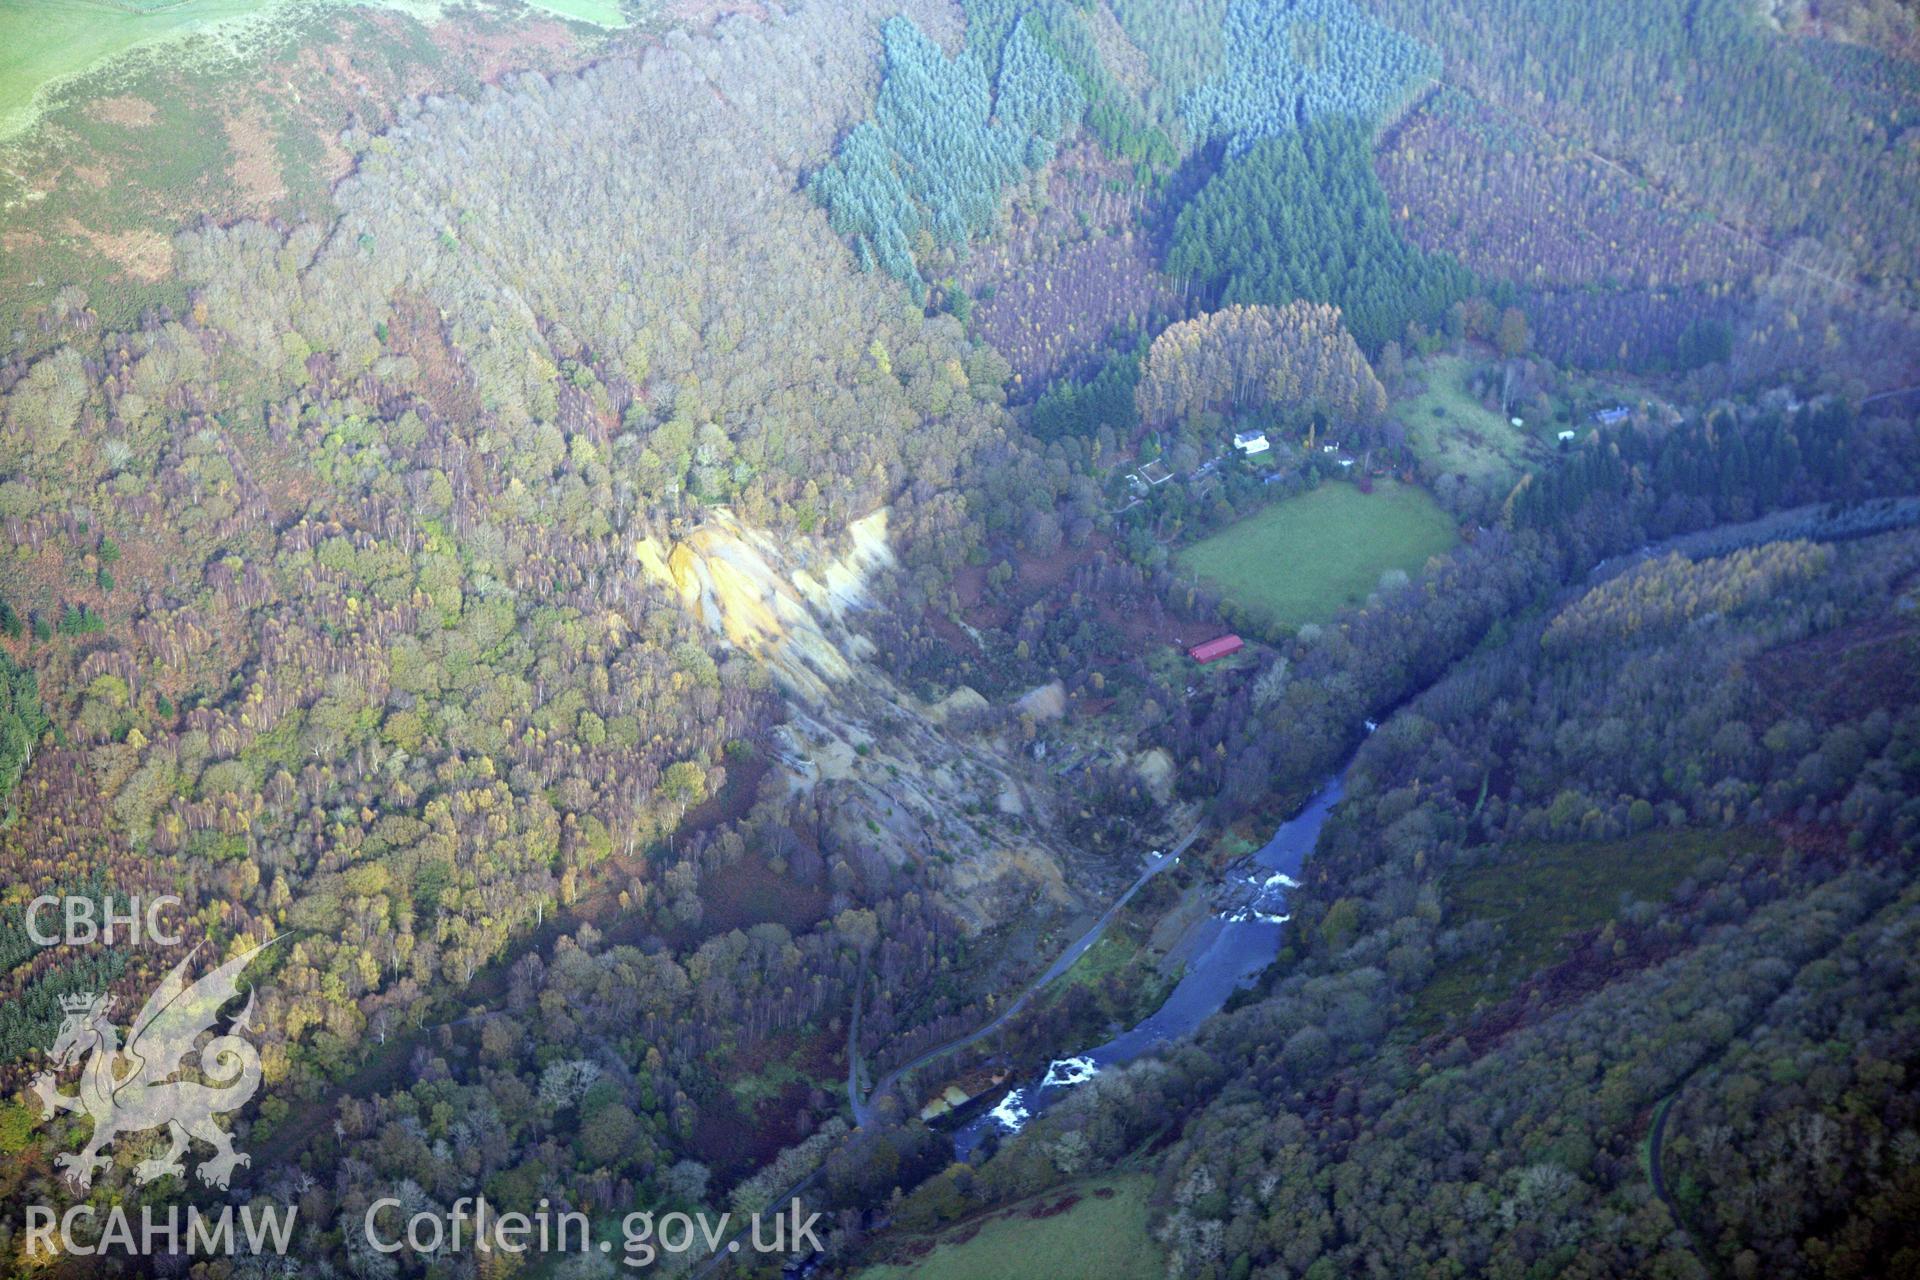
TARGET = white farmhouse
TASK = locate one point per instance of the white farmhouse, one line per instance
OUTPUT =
(1250, 442)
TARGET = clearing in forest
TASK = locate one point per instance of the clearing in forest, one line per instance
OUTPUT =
(1453, 433)
(1541, 898)
(1303, 559)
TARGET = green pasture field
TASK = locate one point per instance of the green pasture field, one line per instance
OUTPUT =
(44, 43)
(1303, 559)
(598, 13)
(1095, 1239)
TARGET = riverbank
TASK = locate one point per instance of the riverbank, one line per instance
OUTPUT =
(1228, 946)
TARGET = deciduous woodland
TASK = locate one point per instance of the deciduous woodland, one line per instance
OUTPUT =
(667, 558)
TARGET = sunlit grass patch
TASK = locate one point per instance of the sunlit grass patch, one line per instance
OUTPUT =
(1303, 559)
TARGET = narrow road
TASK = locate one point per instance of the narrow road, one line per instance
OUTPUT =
(853, 1043)
(863, 1106)
(1657, 1133)
(1888, 395)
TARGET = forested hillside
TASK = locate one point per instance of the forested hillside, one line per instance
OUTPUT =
(693, 596)
(1258, 357)
(1683, 186)
(330, 579)
(1294, 64)
(21, 723)
(933, 161)
(1708, 102)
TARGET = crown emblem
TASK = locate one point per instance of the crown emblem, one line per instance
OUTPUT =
(85, 1002)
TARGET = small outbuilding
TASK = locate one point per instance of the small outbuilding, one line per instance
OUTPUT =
(1217, 648)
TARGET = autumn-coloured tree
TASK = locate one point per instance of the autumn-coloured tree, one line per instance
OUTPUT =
(1258, 356)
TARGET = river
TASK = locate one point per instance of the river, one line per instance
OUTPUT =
(1225, 949)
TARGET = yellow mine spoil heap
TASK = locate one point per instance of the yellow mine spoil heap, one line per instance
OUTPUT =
(776, 600)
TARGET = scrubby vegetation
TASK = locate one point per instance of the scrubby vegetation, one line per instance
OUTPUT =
(1460, 424)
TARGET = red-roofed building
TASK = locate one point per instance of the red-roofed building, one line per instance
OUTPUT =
(1216, 648)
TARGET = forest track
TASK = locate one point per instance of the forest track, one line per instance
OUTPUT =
(1656, 1134)
(1888, 395)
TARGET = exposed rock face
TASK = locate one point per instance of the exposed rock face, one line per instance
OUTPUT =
(1155, 768)
(1048, 702)
(786, 603)
(901, 781)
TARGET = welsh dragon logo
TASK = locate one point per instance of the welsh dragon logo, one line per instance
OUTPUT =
(132, 1089)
